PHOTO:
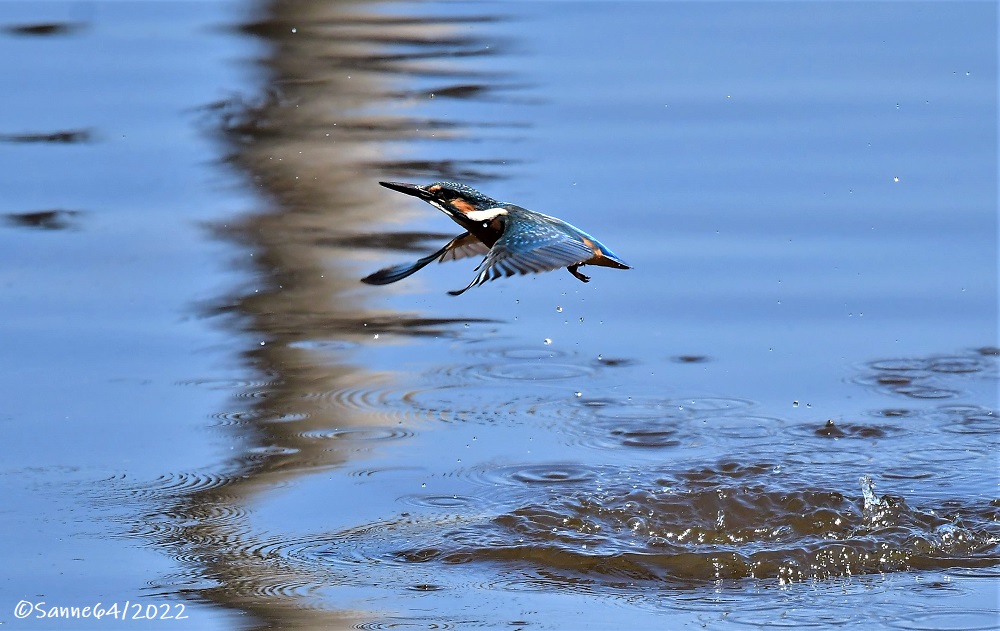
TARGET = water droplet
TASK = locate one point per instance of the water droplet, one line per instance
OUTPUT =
(559, 309)
(795, 404)
(547, 341)
(578, 393)
(295, 30)
(868, 491)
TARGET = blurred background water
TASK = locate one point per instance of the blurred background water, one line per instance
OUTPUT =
(784, 414)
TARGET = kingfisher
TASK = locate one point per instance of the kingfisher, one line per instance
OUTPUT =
(513, 239)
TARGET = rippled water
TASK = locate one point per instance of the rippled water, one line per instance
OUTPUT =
(784, 415)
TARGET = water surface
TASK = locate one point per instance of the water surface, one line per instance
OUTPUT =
(784, 414)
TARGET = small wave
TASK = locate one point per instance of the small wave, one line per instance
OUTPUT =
(934, 377)
(726, 523)
(364, 434)
(405, 624)
(968, 620)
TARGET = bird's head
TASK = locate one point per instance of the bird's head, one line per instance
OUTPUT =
(457, 200)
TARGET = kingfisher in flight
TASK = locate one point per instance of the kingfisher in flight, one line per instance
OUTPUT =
(515, 240)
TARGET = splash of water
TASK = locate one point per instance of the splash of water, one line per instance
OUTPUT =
(872, 501)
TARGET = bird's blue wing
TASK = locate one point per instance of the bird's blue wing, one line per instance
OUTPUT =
(529, 246)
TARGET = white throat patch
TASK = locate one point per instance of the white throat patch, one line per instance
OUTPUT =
(485, 215)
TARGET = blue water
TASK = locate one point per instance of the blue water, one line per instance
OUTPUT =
(99, 328)
(757, 149)
(204, 407)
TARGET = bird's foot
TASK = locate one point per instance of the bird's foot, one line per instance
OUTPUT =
(575, 271)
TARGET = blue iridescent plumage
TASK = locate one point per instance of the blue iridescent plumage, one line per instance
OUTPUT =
(515, 240)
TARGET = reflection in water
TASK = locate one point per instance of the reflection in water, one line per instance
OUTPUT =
(43, 219)
(67, 137)
(44, 29)
(655, 516)
(611, 528)
(928, 378)
(311, 147)
(467, 170)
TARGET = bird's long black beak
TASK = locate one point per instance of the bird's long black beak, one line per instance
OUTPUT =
(408, 189)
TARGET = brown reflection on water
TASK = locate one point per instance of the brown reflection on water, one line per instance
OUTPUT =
(44, 29)
(59, 137)
(311, 147)
(56, 219)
